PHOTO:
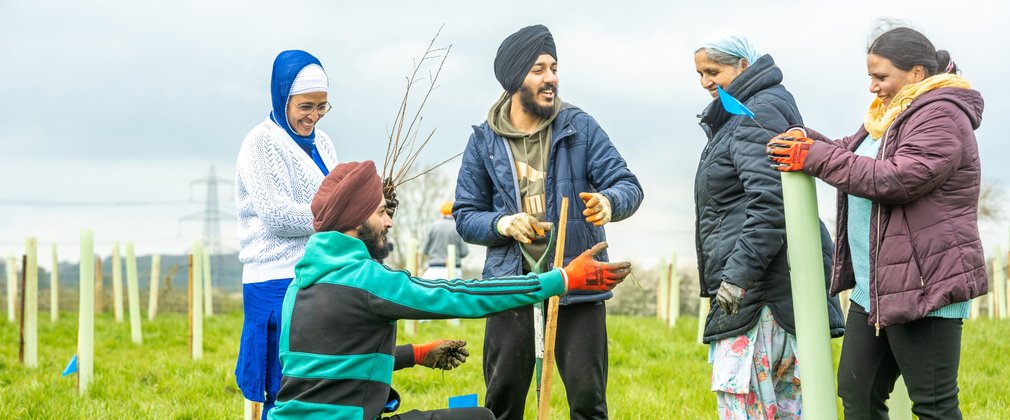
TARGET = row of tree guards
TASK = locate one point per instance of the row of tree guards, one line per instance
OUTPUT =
(997, 301)
(412, 263)
(200, 299)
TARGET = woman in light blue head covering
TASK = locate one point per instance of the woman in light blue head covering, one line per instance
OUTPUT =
(280, 165)
(741, 235)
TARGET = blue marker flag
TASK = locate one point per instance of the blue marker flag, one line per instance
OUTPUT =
(71, 367)
(463, 401)
(732, 105)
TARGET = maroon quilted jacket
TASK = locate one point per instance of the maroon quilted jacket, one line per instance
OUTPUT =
(925, 250)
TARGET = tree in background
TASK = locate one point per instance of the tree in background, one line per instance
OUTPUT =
(419, 204)
(990, 202)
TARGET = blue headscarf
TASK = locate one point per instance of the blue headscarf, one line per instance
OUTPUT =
(731, 42)
(286, 68)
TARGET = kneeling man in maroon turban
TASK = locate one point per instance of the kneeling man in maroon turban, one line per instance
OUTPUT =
(338, 328)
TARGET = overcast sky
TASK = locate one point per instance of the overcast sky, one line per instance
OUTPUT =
(125, 101)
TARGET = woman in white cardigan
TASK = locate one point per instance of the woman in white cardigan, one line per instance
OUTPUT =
(281, 164)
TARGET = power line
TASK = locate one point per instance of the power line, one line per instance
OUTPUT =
(212, 214)
(40, 203)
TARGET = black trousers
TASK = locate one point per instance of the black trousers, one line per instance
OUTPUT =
(469, 413)
(580, 352)
(925, 352)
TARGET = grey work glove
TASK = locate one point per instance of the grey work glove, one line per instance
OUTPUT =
(729, 297)
(523, 227)
(441, 354)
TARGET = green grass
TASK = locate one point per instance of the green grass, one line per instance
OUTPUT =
(654, 372)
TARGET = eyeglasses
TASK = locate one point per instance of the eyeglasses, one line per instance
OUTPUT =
(321, 109)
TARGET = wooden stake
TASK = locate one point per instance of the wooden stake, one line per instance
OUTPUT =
(450, 273)
(99, 279)
(31, 303)
(197, 307)
(86, 319)
(152, 285)
(1005, 280)
(208, 288)
(252, 410)
(703, 307)
(12, 288)
(995, 302)
(550, 332)
(673, 302)
(117, 283)
(189, 303)
(661, 291)
(899, 404)
(1005, 286)
(54, 288)
(411, 263)
(133, 295)
(21, 333)
(843, 299)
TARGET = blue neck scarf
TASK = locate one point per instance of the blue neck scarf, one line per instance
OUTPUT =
(286, 68)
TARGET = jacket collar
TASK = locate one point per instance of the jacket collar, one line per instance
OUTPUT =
(328, 252)
(759, 76)
(968, 100)
(561, 128)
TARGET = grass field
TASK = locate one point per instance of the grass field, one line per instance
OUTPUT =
(654, 372)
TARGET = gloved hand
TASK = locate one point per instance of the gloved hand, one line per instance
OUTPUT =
(789, 150)
(597, 209)
(441, 354)
(522, 226)
(729, 297)
(586, 274)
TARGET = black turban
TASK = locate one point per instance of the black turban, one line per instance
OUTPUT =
(518, 52)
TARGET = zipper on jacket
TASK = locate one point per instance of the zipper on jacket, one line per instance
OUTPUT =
(922, 279)
(876, 253)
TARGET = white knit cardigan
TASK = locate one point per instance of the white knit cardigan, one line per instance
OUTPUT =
(275, 182)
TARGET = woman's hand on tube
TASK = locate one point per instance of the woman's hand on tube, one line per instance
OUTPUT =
(789, 150)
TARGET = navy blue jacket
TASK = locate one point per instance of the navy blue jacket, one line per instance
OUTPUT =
(582, 159)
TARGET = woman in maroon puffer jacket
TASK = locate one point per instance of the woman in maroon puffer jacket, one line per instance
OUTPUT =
(907, 236)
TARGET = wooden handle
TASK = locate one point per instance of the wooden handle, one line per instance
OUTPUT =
(550, 332)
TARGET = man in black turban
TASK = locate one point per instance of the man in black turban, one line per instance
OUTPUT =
(518, 52)
(533, 150)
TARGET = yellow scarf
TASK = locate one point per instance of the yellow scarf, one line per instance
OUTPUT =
(880, 116)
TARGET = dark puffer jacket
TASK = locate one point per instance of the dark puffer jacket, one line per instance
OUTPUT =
(740, 230)
(925, 251)
(582, 159)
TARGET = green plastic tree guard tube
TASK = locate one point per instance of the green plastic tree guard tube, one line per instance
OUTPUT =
(803, 234)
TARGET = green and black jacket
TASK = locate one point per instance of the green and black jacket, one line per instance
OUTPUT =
(338, 327)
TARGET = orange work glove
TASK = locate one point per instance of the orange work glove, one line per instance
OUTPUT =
(789, 150)
(441, 354)
(586, 274)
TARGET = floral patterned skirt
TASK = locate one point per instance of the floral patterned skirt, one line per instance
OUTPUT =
(756, 375)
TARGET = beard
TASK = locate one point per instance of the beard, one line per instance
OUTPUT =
(375, 241)
(530, 104)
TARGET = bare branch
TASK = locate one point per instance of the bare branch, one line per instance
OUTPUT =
(402, 147)
(427, 171)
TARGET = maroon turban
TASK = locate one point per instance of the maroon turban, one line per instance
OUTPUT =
(347, 197)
